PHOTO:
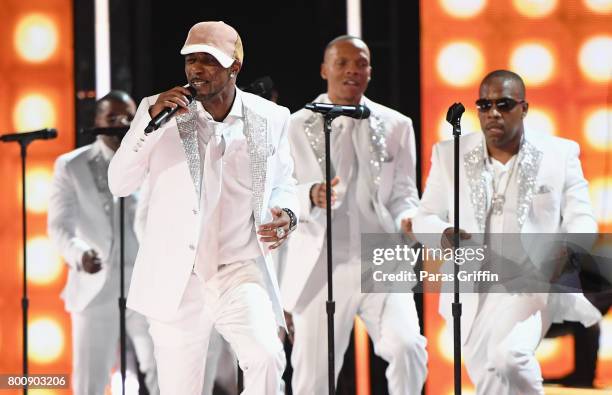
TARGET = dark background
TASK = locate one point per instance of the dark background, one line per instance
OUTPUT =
(282, 39)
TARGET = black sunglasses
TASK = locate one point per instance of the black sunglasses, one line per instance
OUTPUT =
(504, 104)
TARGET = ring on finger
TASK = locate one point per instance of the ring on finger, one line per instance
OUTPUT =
(280, 232)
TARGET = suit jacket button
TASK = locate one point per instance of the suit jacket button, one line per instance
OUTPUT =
(191, 247)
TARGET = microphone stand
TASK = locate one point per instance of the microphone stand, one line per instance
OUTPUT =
(118, 131)
(330, 112)
(122, 301)
(24, 139)
(453, 117)
(330, 306)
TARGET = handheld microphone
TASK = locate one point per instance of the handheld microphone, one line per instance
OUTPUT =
(336, 110)
(43, 134)
(167, 112)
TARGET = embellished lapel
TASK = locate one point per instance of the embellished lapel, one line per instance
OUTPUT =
(473, 162)
(377, 145)
(189, 137)
(98, 167)
(529, 164)
(378, 149)
(256, 134)
(313, 128)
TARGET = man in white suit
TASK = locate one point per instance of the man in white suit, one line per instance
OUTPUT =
(220, 176)
(83, 222)
(374, 192)
(512, 182)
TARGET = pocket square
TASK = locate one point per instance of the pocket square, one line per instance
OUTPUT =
(542, 189)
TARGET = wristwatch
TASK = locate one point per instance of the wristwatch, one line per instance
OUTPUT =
(292, 218)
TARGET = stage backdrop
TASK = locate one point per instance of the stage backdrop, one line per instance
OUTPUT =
(36, 91)
(563, 50)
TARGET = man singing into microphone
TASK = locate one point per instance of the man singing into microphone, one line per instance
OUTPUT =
(83, 223)
(374, 191)
(221, 196)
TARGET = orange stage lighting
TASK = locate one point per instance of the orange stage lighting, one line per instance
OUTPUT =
(37, 85)
(563, 50)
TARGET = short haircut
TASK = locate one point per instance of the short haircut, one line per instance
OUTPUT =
(505, 75)
(344, 37)
(113, 96)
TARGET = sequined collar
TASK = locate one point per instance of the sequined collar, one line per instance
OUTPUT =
(313, 128)
(255, 131)
(529, 159)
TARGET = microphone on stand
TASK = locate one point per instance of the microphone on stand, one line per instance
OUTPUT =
(453, 116)
(336, 110)
(167, 112)
(43, 134)
(331, 111)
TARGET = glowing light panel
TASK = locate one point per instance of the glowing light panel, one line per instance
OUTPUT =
(46, 340)
(601, 198)
(463, 8)
(598, 129)
(36, 38)
(540, 121)
(535, 8)
(38, 184)
(460, 64)
(599, 6)
(445, 343)
(595, 59)
(32, 112)
(534, 62)
(44, 263)
(548, 349)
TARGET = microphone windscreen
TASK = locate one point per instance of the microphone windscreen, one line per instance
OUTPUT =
(365, 113)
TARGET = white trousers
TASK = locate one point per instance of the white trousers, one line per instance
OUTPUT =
(242, 313)
(95, 341)
(500, 350)
(391, 321)
(221, 367)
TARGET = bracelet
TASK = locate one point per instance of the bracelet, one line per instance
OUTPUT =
(292, 218)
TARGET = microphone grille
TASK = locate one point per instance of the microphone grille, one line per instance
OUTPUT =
(365, 112)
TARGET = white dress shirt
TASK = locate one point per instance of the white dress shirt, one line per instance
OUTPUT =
(501, 178)
(236, 225)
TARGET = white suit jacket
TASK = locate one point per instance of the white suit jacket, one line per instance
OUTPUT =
(79, 219)
(393, 177)
(169, 241)
(553, 198)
